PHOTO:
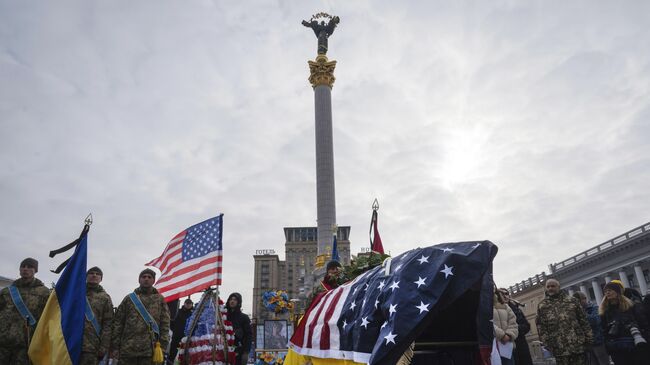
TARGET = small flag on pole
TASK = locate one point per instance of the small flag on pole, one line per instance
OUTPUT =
(191, 261)
(375, 240)
(335, 251)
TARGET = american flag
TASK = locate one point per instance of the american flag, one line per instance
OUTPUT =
(375, 317)
(191, 261)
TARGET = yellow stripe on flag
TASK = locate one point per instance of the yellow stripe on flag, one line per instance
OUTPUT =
(48, 345)
(294, 358)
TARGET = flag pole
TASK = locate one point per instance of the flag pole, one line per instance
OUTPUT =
(221, 325)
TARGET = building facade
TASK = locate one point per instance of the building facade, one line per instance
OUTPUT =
(625, 257)
(295, 273)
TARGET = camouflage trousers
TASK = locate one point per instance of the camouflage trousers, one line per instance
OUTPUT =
(573, 359)
(144, 360)
(88, 358)
(9, 356)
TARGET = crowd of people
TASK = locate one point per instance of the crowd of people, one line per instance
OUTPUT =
(131, 333)
(573, 329)
(577, 331)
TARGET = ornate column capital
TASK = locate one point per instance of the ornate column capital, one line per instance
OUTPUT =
(321, 71)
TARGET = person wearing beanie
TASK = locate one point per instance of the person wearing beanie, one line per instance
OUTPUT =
(563, 326)
(132, 339)
(150, 273)
(618, 319)
(241, 324)
(15, 330)
(96, 341)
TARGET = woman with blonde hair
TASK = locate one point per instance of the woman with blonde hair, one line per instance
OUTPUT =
(619, 325)
(505, 324)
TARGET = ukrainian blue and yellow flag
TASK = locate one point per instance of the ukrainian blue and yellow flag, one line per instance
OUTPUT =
(59, 333)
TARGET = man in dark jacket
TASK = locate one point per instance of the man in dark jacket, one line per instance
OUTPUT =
(597, 354)
(178, 328)
(522, 352)
(242, 326)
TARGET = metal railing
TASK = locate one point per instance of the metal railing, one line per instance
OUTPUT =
(531, 282)
(600, 248)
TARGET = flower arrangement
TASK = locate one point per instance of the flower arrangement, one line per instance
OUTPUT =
(270, 358)
(276, 301)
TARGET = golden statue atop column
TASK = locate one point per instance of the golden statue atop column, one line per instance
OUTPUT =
(322, 70)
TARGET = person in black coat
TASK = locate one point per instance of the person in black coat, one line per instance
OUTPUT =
(522, 352)
(178, 328)
(242, 326)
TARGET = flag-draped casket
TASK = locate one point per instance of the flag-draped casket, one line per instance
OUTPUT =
(378, 315)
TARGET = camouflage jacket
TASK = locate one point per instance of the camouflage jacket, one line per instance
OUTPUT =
(102, 307)
(131, 336)
(563, 325)
(13, 328)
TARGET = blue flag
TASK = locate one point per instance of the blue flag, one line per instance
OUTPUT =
(335, 251)
(59, 334)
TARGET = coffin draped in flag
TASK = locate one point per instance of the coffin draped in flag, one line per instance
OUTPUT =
(59, 333)
(191, 261)
(375, 318)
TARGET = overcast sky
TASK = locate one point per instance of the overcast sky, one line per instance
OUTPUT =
(524, 123)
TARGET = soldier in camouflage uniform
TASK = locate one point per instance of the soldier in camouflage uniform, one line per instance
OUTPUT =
(15, 332)
(95, 345)
(563, 326)
(132, 339)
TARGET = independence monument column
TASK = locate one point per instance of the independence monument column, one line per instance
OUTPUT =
(322, 78)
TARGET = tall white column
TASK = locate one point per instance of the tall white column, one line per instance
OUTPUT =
(623, 277)
(643, 286)
(608, 278)
(583, 289)
(598, 292)
(322, 79)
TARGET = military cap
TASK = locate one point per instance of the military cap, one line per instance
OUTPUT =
(95, 269)
(30, 262)
(147, 271)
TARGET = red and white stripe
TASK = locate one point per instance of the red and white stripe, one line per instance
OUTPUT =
(318, 333)
(179, 278)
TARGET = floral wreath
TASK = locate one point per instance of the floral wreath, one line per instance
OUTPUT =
(277, 301)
